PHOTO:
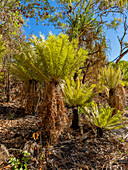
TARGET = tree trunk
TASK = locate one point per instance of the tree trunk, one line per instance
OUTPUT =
(75, 121)
(75, 77)
(29, 96)
(29, 102)
(52, 112)
(112, 99)
(8, 87)
(99, 132)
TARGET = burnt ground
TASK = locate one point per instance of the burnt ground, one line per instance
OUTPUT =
(74, 151)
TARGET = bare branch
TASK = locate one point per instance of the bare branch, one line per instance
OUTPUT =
(121, 41)
(121, 56)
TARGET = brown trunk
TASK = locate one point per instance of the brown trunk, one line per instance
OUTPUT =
(99, 132)
(52, 112)
(75, 77)
(8, 87)
(112, 99)
(75, 121)
(31, 97)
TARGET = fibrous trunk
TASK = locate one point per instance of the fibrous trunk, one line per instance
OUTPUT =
(52, 112)
(29, 98)
(8, 87)
(112, 99)
(75, 121)
(99, 132)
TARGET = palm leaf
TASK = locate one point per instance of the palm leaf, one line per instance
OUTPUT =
(102, 117)
(76, 94)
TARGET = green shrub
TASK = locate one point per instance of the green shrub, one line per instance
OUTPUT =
(20, 163)
(110, 77)
(102, 117)
(77, 94)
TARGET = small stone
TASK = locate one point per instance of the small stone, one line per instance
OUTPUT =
(4, 154)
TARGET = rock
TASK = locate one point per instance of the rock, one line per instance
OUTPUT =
(4, 154)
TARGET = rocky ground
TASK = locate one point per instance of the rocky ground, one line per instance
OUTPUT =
(74, 151)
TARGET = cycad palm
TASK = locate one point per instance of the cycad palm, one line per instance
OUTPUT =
(55, 59)
(111, 77)
(102, 117)
(22, 67)
(21, 64)
(58, 59)
(76, 94)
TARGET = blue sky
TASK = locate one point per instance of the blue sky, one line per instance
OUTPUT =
(32, 28)
(115, 46)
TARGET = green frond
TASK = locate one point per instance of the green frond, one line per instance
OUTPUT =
(102, 117)
(20, 73)
(24, 67)
(110, 77)
(59, 58)
(76, 93)
(55, 58)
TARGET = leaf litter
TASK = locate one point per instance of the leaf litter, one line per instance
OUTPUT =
(73, 151)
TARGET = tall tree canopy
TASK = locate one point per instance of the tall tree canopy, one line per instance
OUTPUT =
(88, 20)
(83, 19)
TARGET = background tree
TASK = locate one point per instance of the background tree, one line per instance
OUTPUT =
(2, 48)
(2, 53)
(12, 35)
(28, 8)
(123, 43)
(89, 20)
(11, 23)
